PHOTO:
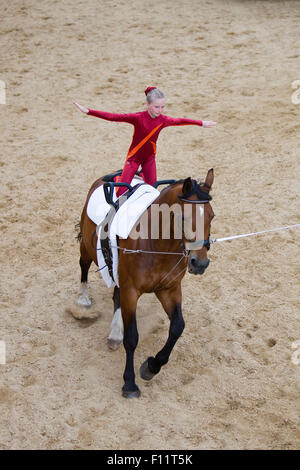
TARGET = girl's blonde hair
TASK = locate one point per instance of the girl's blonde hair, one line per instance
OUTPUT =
(153, 93)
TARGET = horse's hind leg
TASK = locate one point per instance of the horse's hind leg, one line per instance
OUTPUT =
(85, 263)
(171, 301)
(116, 328)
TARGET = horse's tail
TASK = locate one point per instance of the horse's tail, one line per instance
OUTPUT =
(79, 232)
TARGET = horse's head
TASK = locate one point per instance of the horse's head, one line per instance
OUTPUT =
(197, 215)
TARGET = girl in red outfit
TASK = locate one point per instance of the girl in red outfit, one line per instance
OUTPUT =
(147, 126)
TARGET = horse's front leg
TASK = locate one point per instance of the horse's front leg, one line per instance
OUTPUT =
(171, 301)
(85, 263)
(128, 298)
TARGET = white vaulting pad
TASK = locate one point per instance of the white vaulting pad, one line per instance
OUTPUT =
(132, 209)
(121, 225)
(98, 207)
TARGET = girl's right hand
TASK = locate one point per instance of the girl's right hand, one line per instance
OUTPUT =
(208, 123)
(81, 108)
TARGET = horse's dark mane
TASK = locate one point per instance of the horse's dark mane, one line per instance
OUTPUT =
(196, 189)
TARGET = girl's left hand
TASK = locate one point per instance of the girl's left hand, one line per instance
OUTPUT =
(208, 123)
(82, 108)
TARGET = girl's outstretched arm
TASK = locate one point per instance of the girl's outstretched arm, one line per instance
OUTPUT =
(185, 122)
(116, 117)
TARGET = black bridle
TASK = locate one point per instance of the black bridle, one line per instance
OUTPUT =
(204, 243)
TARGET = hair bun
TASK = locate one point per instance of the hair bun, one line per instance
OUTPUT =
(150, 88)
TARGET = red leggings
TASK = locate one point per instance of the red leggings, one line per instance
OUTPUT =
(130, 169)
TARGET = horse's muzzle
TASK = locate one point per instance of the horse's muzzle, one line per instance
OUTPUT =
(197, 266)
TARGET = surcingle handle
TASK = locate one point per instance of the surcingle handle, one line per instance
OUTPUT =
(158, 183)
(108, 189)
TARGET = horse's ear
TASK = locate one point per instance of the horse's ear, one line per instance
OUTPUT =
(209, 180)
(187, 186)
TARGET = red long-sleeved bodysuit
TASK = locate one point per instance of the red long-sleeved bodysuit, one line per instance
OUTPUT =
(142, 150)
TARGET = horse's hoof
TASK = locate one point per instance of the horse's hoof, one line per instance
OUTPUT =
(145, 372)
(84, 301)
(131, 393)
(113, 344)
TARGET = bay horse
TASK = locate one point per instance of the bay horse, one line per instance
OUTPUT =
(153, 266)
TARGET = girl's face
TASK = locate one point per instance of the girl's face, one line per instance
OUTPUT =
(156, 107)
